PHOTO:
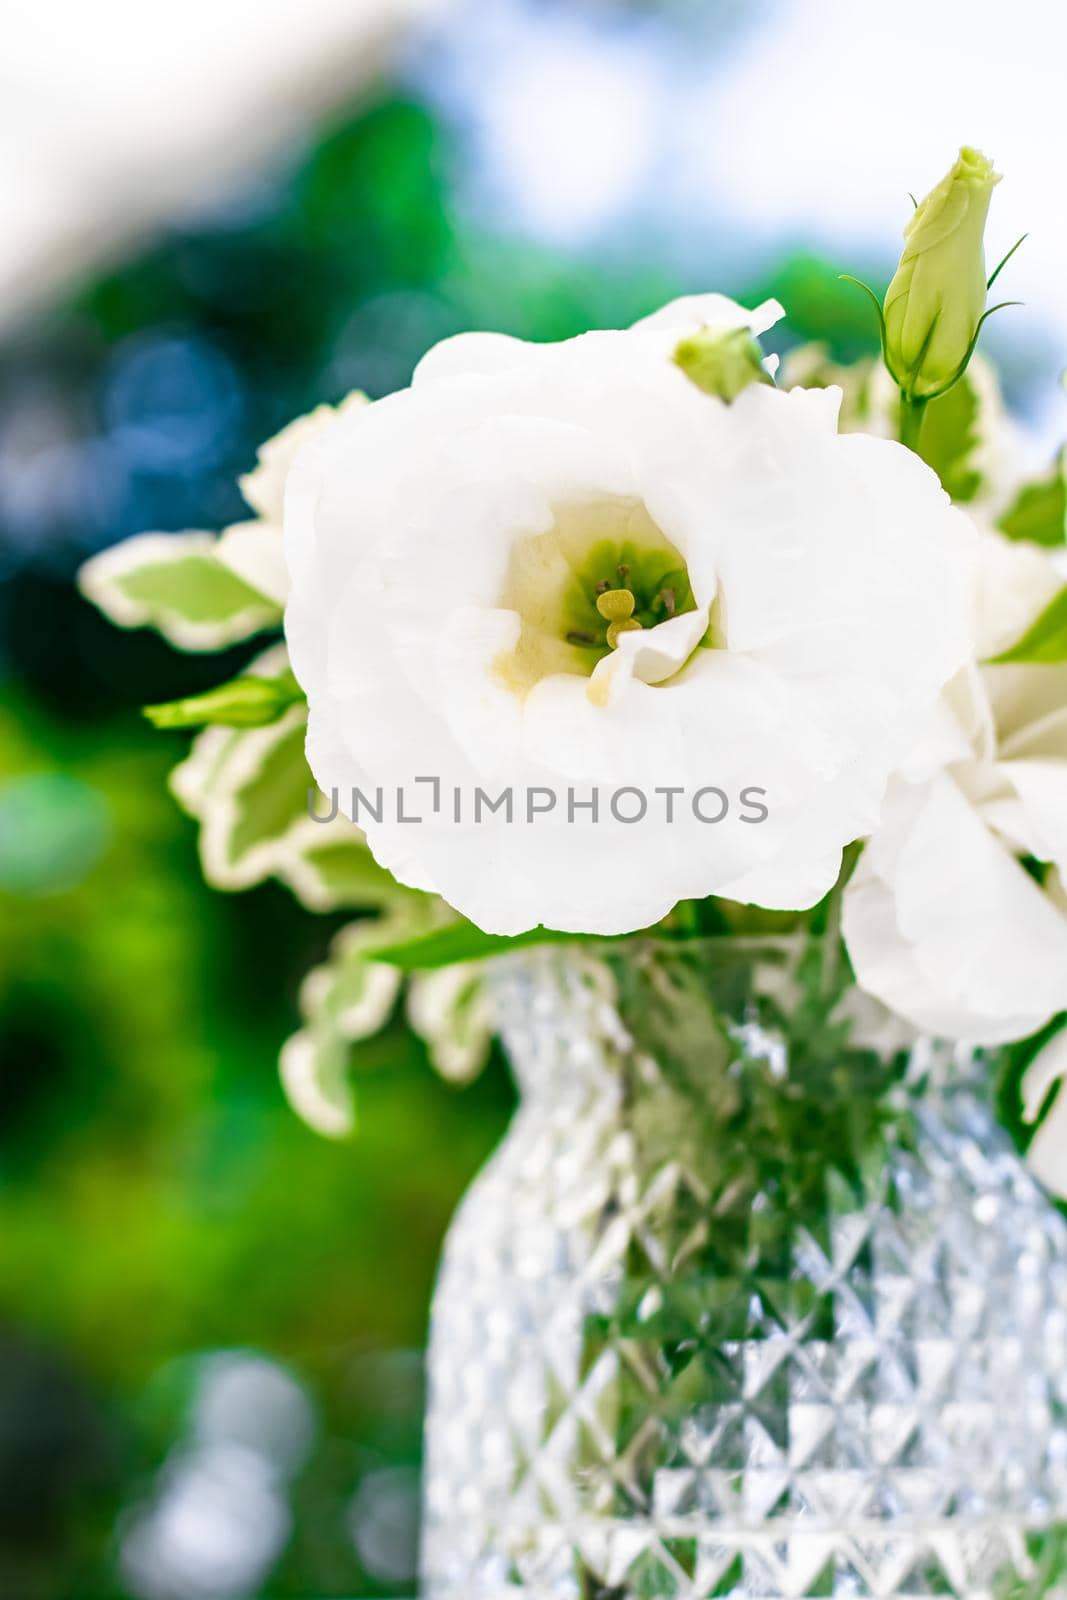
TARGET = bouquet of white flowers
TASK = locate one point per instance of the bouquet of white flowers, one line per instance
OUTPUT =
(637, 631)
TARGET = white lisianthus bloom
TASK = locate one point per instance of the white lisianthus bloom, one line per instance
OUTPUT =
(956, 916)
(791, 600)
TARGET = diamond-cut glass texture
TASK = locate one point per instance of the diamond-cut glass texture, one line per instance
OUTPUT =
(672, 1358)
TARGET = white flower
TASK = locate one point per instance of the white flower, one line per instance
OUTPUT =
(943, 921)
(802, 595)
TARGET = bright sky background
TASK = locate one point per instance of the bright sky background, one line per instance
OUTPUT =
(832, 108)
(791, 114)
(114, 114)
(746, 126)
(736, 126)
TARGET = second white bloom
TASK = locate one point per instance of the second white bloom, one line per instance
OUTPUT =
(956, 917)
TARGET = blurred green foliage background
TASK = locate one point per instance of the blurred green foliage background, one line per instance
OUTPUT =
(209, 1315)
(159, 1201)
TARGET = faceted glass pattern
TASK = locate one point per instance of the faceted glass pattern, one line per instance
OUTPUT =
(741, 1308)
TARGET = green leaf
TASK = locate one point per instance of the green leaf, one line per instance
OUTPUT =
(340, 872)
(462, 941)
(1045, 641)
(950, 436)
(194, 587)
(248, 788)
(345, 1001)
(176, 583)
(269, 800)
(314, 1069)
(452, 1014)
(1038, 513)
(246, 701)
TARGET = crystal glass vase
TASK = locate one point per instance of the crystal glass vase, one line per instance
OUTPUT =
(744, 1305)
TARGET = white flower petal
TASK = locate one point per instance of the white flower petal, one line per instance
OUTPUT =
(253, 550)
(838, 571)
(1042, 790)
(488, 355)
(264, 486)
(694, 311)
(654, 654)
(947, 929)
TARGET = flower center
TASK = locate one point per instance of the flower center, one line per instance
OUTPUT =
(603, 570)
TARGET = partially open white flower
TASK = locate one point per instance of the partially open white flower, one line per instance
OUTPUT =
(786, 601)
(264, 486)
(956, 916)
(253, 550)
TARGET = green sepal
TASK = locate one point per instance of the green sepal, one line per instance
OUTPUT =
(1045, 641)
(858, 283)
(950, 436)
(246, 701)
(936, 394)
(1002, 263)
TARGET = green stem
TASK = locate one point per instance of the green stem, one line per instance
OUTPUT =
(831, 939)
(912, 413)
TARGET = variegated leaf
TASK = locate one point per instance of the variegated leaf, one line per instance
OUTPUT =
(177, 584)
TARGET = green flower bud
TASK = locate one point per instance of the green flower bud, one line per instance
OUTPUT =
(937, 297)
(722, 361)
(244, 702)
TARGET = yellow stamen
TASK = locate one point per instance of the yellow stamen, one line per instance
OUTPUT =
(624, 625)
(615, 605)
